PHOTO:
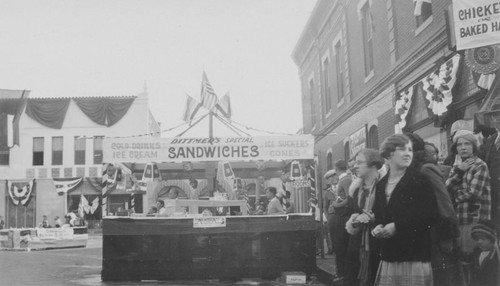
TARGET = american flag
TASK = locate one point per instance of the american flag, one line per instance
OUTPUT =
(208, 97)
(224, 106)
(192, 107)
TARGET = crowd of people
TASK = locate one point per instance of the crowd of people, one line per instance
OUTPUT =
(71, 219)
(398, 217)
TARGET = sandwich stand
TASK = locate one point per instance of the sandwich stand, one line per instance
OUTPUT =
(207, 236)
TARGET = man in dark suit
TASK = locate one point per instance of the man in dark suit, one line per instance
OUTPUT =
(491, 155)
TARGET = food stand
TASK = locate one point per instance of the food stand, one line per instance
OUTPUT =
(191, 246)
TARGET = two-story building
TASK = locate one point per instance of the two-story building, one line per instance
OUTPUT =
(369, 69)
(60, 141)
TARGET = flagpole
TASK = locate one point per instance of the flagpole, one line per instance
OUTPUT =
(211, 125)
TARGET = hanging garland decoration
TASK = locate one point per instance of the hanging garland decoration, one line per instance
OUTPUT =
(20, 191)
(438, 85)
(64, 185)
(403, 104)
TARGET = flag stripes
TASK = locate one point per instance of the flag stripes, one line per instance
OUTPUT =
(224, 106)
(192, 107)
(208, 97)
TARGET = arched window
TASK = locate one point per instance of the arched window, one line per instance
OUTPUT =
(329, 161)
(347, 151)
(373, 137)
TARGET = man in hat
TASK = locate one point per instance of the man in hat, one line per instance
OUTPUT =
(329, 197)
(491, 155)
(485, 260)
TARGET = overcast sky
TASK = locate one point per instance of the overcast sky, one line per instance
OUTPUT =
(110, 48)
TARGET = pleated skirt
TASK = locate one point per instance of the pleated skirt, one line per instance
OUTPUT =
(409, 273)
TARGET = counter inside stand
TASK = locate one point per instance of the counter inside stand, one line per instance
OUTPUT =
(218, 247)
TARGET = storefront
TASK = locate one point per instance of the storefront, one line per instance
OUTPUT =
(445, 93)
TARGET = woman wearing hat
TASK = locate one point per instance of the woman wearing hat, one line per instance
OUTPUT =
(469, 185)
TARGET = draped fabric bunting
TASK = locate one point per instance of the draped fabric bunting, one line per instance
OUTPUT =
(20, 191)
(64, 185)
(437, 88)
(438, 85)
(403, 104)
(95, 205)
(105, 110)
(49, 112)
(12, 103)
(83, 207)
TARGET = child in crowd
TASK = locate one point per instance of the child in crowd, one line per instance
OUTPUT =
(486, 256)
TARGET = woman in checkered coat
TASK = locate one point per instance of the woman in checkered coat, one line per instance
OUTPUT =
(469, 186)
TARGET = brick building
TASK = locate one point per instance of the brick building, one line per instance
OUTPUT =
(369, 69)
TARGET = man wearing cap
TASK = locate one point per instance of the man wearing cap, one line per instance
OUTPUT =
(469, 185)
(341, 216)
(491, 155)
(329, 197)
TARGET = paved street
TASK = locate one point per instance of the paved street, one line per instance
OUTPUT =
(77, 266)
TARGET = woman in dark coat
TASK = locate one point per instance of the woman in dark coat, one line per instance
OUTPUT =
(362, 254)
(405, 209)
(445, 266)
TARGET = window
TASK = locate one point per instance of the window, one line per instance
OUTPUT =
(340, 71)
(38, 145)
(423, 10)
(98, 149)
(4, 138)
(326, 86)
(329, 161)
(373, 137)
(313, 103)
(367, 26)
(79, 151)
(57, 150)
(4, 157)
(347, 151)
(418, 110)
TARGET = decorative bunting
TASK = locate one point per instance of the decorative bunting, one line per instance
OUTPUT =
(20, 191)
(438, 85)
(64, 185)
(95, 205)
(105, 111)
(49, 112)
(403, 104)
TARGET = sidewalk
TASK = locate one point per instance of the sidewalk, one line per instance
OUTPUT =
(327, 270)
